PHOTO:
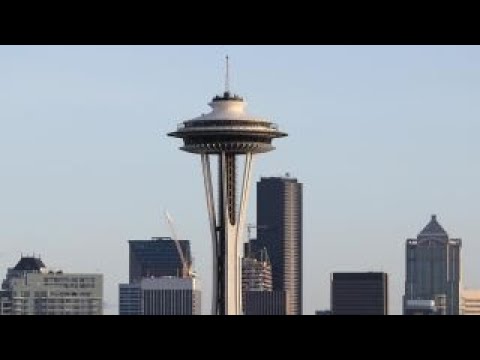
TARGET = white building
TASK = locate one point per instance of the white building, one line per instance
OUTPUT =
(161, 296)
(34, 290)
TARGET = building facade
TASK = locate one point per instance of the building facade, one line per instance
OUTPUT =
(5, 302)
(157, 257)
(257, 277)
(266, 303)
(279, 231)
(57, 294)
(26, 265)
(470, 302)
(433, 267)
(362, 293)
(161, 296)
(31, 289)
(426, 307)
(257, 272)
(130, 299)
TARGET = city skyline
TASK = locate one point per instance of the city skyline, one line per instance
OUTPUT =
(391, 131)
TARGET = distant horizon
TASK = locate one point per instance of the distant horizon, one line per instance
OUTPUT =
(382, 137)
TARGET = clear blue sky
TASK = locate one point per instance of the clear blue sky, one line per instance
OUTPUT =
(381, 136)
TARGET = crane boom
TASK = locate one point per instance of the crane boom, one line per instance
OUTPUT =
(185, 267)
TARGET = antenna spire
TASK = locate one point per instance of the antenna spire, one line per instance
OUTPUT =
(227, 75)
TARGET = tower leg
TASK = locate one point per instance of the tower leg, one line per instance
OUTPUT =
(207, 177)
(227, 232)
(242, 213)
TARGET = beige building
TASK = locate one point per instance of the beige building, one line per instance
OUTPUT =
(32, 289)
(57, 294)
(470, 302)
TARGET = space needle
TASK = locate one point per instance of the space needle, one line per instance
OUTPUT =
(227, 134)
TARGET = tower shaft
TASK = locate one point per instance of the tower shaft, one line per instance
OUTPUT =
(226, 226)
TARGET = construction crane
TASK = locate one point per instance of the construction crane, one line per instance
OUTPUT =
(186, 268)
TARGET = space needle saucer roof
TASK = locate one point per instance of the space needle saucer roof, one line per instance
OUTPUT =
(228, 127)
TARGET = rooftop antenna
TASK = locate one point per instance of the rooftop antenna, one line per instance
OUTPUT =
(227, 75)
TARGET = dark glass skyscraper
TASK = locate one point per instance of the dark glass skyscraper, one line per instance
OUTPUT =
(279, 231)
(266, 303)
(156, 258)
(433, 269)
(362, 293)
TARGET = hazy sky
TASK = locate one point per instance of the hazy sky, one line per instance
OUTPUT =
(381, 136)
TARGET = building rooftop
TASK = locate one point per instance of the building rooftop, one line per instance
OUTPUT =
(433, 228)
(153, 239)
(227, 97)
(280, 178)
(29, 264)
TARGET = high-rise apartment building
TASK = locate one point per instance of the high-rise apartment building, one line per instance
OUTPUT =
(32, 289)
(433, 268)
(279, 231)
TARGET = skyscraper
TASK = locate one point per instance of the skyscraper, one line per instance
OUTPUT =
(161, 296)
(433, 267)
(360, 293)
(228, 132)
(157, 257)
(279, 221)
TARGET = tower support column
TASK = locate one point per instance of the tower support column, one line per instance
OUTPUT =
(227, 230)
